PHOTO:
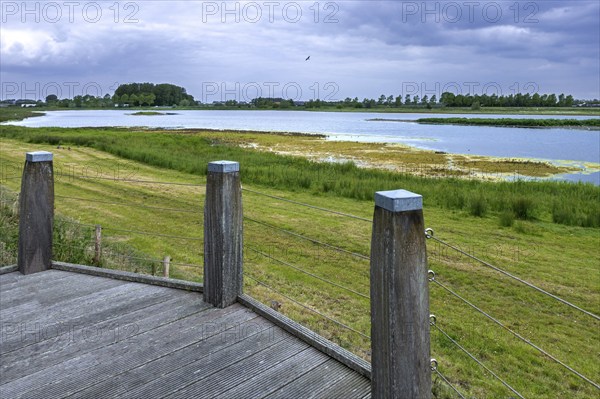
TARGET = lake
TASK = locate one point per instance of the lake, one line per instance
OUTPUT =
(556, 145)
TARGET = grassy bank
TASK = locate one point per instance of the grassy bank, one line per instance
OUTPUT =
(18, 113)
(511, 122)
(561, 259)
(559, 202)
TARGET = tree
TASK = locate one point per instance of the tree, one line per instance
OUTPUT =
(448, 99)
(381, 100)
(569, 101)
(165, 94)
(398, 101)
(433, 100)
(51, 99)
(407, 99)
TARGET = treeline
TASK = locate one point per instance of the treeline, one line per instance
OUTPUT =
(163, 94)
(516, 100)
(270, 102)
(448, 99)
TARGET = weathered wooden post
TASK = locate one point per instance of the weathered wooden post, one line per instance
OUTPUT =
(98, 245)
(166, 265)
(223, 238)
(399, 298)
(36, 210)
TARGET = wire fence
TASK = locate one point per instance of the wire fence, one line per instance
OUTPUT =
(447, 382)
(128, 204)
(340, 324)
(476, 360)
(347, 215)
(429, 233)
(113, 251)
(517, 335)
(313, 240)
(168, 183)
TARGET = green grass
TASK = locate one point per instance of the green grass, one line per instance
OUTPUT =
(512, 122)
(560, 256)
(18, 113)
(190, 152)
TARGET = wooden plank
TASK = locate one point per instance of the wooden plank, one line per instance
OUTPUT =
(92, 309)
(242, 370)
(8, 269)
(173, 380)
(8, 277)
(118, 327)
(129, 276)
(313, 383)
(277, 376)
(126, 354)
(350, 386)
(58, 335)
(20, 281)
(204, 346)
(61, 295)
(105, 354)
(43, 292)
(312, 338)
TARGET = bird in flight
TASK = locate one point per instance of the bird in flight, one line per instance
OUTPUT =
(307, 58)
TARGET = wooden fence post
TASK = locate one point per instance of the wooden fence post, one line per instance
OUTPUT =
(36, 211)
(223, 238)
(166, 265)
(98, 245)
(399, 298)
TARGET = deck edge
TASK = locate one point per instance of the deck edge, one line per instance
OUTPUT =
(336, 352)
(129, 276)
(9, 269)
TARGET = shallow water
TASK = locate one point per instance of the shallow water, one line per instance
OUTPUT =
(555, 145)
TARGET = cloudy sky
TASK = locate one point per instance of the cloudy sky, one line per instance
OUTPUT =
(225, 50)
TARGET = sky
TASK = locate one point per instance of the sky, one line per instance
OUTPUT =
(224, 50)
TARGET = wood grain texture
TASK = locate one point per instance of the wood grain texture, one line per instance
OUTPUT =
(87, 336)
(399, 306)
(36, 210)
(223, 238)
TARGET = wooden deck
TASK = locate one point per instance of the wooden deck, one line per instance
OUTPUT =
(67, 334)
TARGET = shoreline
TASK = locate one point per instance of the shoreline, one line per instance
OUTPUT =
(401, 158)
(550, 111)
(549, 123)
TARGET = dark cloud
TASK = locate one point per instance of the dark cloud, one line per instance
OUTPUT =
(365, 48)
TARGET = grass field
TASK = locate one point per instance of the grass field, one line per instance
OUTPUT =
(516, 226)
